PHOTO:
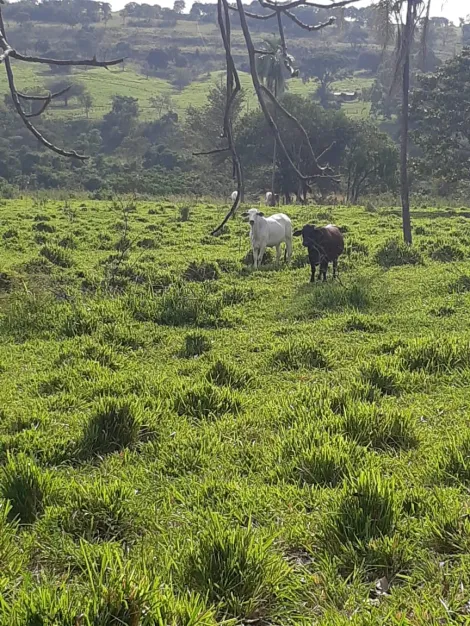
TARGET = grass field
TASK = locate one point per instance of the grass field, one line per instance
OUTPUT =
(187, 442)
(103, 85)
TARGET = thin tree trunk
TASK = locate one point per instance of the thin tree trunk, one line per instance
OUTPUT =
(273, 176)
(404, 180)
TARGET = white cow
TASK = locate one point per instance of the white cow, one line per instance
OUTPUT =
(234, 195)
(269, 199)
(268, 232)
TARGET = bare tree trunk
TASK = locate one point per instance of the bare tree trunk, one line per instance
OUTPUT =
(273, 175)
(404, 180)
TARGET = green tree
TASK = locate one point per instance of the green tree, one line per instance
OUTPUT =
(371, 160)
(86, 101)
(441, 121)
(270, 67)
(326, 67)
(76, 90)
(179, 6)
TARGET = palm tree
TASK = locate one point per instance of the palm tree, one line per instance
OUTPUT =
(271, 71)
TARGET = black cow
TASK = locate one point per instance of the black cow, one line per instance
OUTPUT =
(324, 244)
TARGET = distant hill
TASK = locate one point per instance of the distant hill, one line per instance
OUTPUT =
(178, 56)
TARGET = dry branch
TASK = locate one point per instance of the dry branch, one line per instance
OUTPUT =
(8, 53)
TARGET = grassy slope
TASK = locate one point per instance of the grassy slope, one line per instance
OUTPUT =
(282, 443)
(103, 85)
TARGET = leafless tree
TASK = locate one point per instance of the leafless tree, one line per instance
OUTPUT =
(7, 53)
(278, 11)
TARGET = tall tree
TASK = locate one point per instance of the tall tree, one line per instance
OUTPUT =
(390, 11)
(270, 66)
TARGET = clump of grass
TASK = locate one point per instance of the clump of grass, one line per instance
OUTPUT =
(379, 428)
(182, 305)
(325, 463)
(335, 297)
(147, 243)
(100, 512)
(79, 321)
(227, 375)
(297, 355)
(57, 255)
(460, 285)
(184, 213)
(6, 281)
(195, 344)
(356, 247)
(206, 401)
(199, 272)
(11, 233)
(384, 375)
(240, 572)
(457, 463)
(236, 294)
(43, 227)
(368, 510)
(445, 252)
(394, 253)
(436, 354)
(115, 424)
(29, 315)
(69, 242)
(362, 323)
(24, 485)
(450, 531)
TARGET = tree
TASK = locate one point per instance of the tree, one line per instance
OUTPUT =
(441, 121)
(181, 77)
(86, 101)
(162, 103)
(326, 67)
(390, 9)
(356, 36)
(270, 66)
(158, 58)
(371, 161)
(75, 90)
(179, 6)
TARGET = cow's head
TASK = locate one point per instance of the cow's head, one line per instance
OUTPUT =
(310, 234)
(251, 215)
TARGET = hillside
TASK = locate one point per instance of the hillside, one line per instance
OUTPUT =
(192, 44)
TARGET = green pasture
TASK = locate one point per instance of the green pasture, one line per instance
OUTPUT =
(186, 441)
(104, 84)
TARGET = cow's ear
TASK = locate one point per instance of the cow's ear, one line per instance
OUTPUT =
(260, 213)
(245, 214)
(297, 233)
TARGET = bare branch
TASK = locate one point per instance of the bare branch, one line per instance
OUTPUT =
(299, 126)
(255, 16)
(208, 152)
(50, 96)
(68, 62)
(309, 27)
(233, 88)
(281, 6)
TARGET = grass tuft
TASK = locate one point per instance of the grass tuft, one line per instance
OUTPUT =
(57, 255)
(227, 375)
(240, 572)
(379, 428)
(394, 253)
(436, 354)
(115, 424)
(24, 485)
(206, 401)
(298, 355)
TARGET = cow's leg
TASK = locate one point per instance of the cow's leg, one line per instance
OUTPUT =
(261, 252)
(278, 253)
(335, 268)
(312, 278)
(323, 270)
(288, 254)
(255, 258)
